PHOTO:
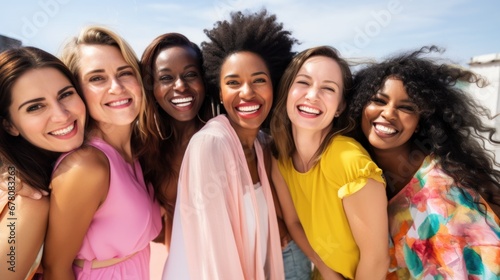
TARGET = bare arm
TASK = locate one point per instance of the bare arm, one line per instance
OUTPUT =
(366, 211)
(295, 227)
(21, 235)
(75, 198)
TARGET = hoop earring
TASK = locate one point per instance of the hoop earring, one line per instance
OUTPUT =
(158, 128)
(202, 121)
(212, 106)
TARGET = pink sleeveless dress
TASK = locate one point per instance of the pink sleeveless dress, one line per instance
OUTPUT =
(123, 225)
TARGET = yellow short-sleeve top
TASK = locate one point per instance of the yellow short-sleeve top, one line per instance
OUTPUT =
(343, 169)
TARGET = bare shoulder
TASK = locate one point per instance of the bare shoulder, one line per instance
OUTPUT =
(86, 159)
(83, 172)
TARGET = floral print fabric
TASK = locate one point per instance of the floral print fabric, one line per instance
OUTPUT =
(438, 232)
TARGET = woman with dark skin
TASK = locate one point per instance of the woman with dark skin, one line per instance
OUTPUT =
(428, 137)
(225, 223)
(173, 78)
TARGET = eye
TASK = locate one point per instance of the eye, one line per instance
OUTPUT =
(302, 82)
(408, 109)
(330, 89)
(260, 80)
(96, 78)
(378, 101)
(126, 73)
(190, 75)
(66, 94)
(232, 83)
(34, 107)
(166, 78)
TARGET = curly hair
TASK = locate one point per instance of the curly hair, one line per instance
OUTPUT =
(157, 169)
(258, 33)
(281, 127)
(450, 125)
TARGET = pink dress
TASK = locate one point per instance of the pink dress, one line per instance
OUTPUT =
(123, 225)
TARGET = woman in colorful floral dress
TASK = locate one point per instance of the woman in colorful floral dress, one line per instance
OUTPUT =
(444, 191)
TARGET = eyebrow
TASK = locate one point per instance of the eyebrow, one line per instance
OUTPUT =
(102, 70)
(387, 96)
(252, 75)
(43, 98)
(166, 69)
(327, 81)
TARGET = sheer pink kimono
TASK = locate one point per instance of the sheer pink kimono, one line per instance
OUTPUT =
(210, 237)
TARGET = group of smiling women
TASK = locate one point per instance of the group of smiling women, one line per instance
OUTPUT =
(246, 159)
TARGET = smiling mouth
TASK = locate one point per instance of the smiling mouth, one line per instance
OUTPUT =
(119, 103)
(308, 110)
(64, 131)
(182, 102)
(384, 129)
(248, 109)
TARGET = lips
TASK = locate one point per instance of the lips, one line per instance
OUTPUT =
(63, 131)
(182, 102)
(384, 129)
(248, 108)
(119, 103)
(308, 110)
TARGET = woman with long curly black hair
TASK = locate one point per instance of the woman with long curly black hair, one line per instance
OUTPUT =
(427, 135)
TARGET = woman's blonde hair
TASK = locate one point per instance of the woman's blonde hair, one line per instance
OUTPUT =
(98, 35)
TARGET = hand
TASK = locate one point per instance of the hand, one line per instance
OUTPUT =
(8, 173)
(329, 274)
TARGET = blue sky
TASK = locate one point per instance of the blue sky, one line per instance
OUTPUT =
(359, 29)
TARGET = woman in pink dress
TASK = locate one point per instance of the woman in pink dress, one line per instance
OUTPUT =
(102, 214)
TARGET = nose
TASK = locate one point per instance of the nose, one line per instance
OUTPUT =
(59, 113)
(116, 86)
(312, 94)
(388, 112)
(246, 92)
(179, 85)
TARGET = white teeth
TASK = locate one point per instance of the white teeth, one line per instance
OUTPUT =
(118, 103)
(182, 102)
(309, 110)
(63, 131)
(385, 129)
(247, 109)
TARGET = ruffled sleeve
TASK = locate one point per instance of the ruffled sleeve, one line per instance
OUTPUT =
(352, 167)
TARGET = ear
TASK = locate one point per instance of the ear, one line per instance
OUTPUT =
(220, 97)
(341, 108)
(11, 129)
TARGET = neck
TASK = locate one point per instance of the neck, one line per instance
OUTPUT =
(307, 143)
(399, 166)
(184, 131)
(118, 137)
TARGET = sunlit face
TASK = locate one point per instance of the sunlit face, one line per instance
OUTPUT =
(390, 118)
(178, 86)
(47, 111)
(315, 96)
(246, 90)
(110, 86)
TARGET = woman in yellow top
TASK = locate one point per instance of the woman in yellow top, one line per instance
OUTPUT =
(336, 193)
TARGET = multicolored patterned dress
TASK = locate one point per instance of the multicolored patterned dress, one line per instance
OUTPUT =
(437, 232)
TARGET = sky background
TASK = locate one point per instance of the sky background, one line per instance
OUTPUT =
(359, 29)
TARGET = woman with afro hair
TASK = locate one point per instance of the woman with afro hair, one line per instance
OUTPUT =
(225, 224)
(428, 137)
